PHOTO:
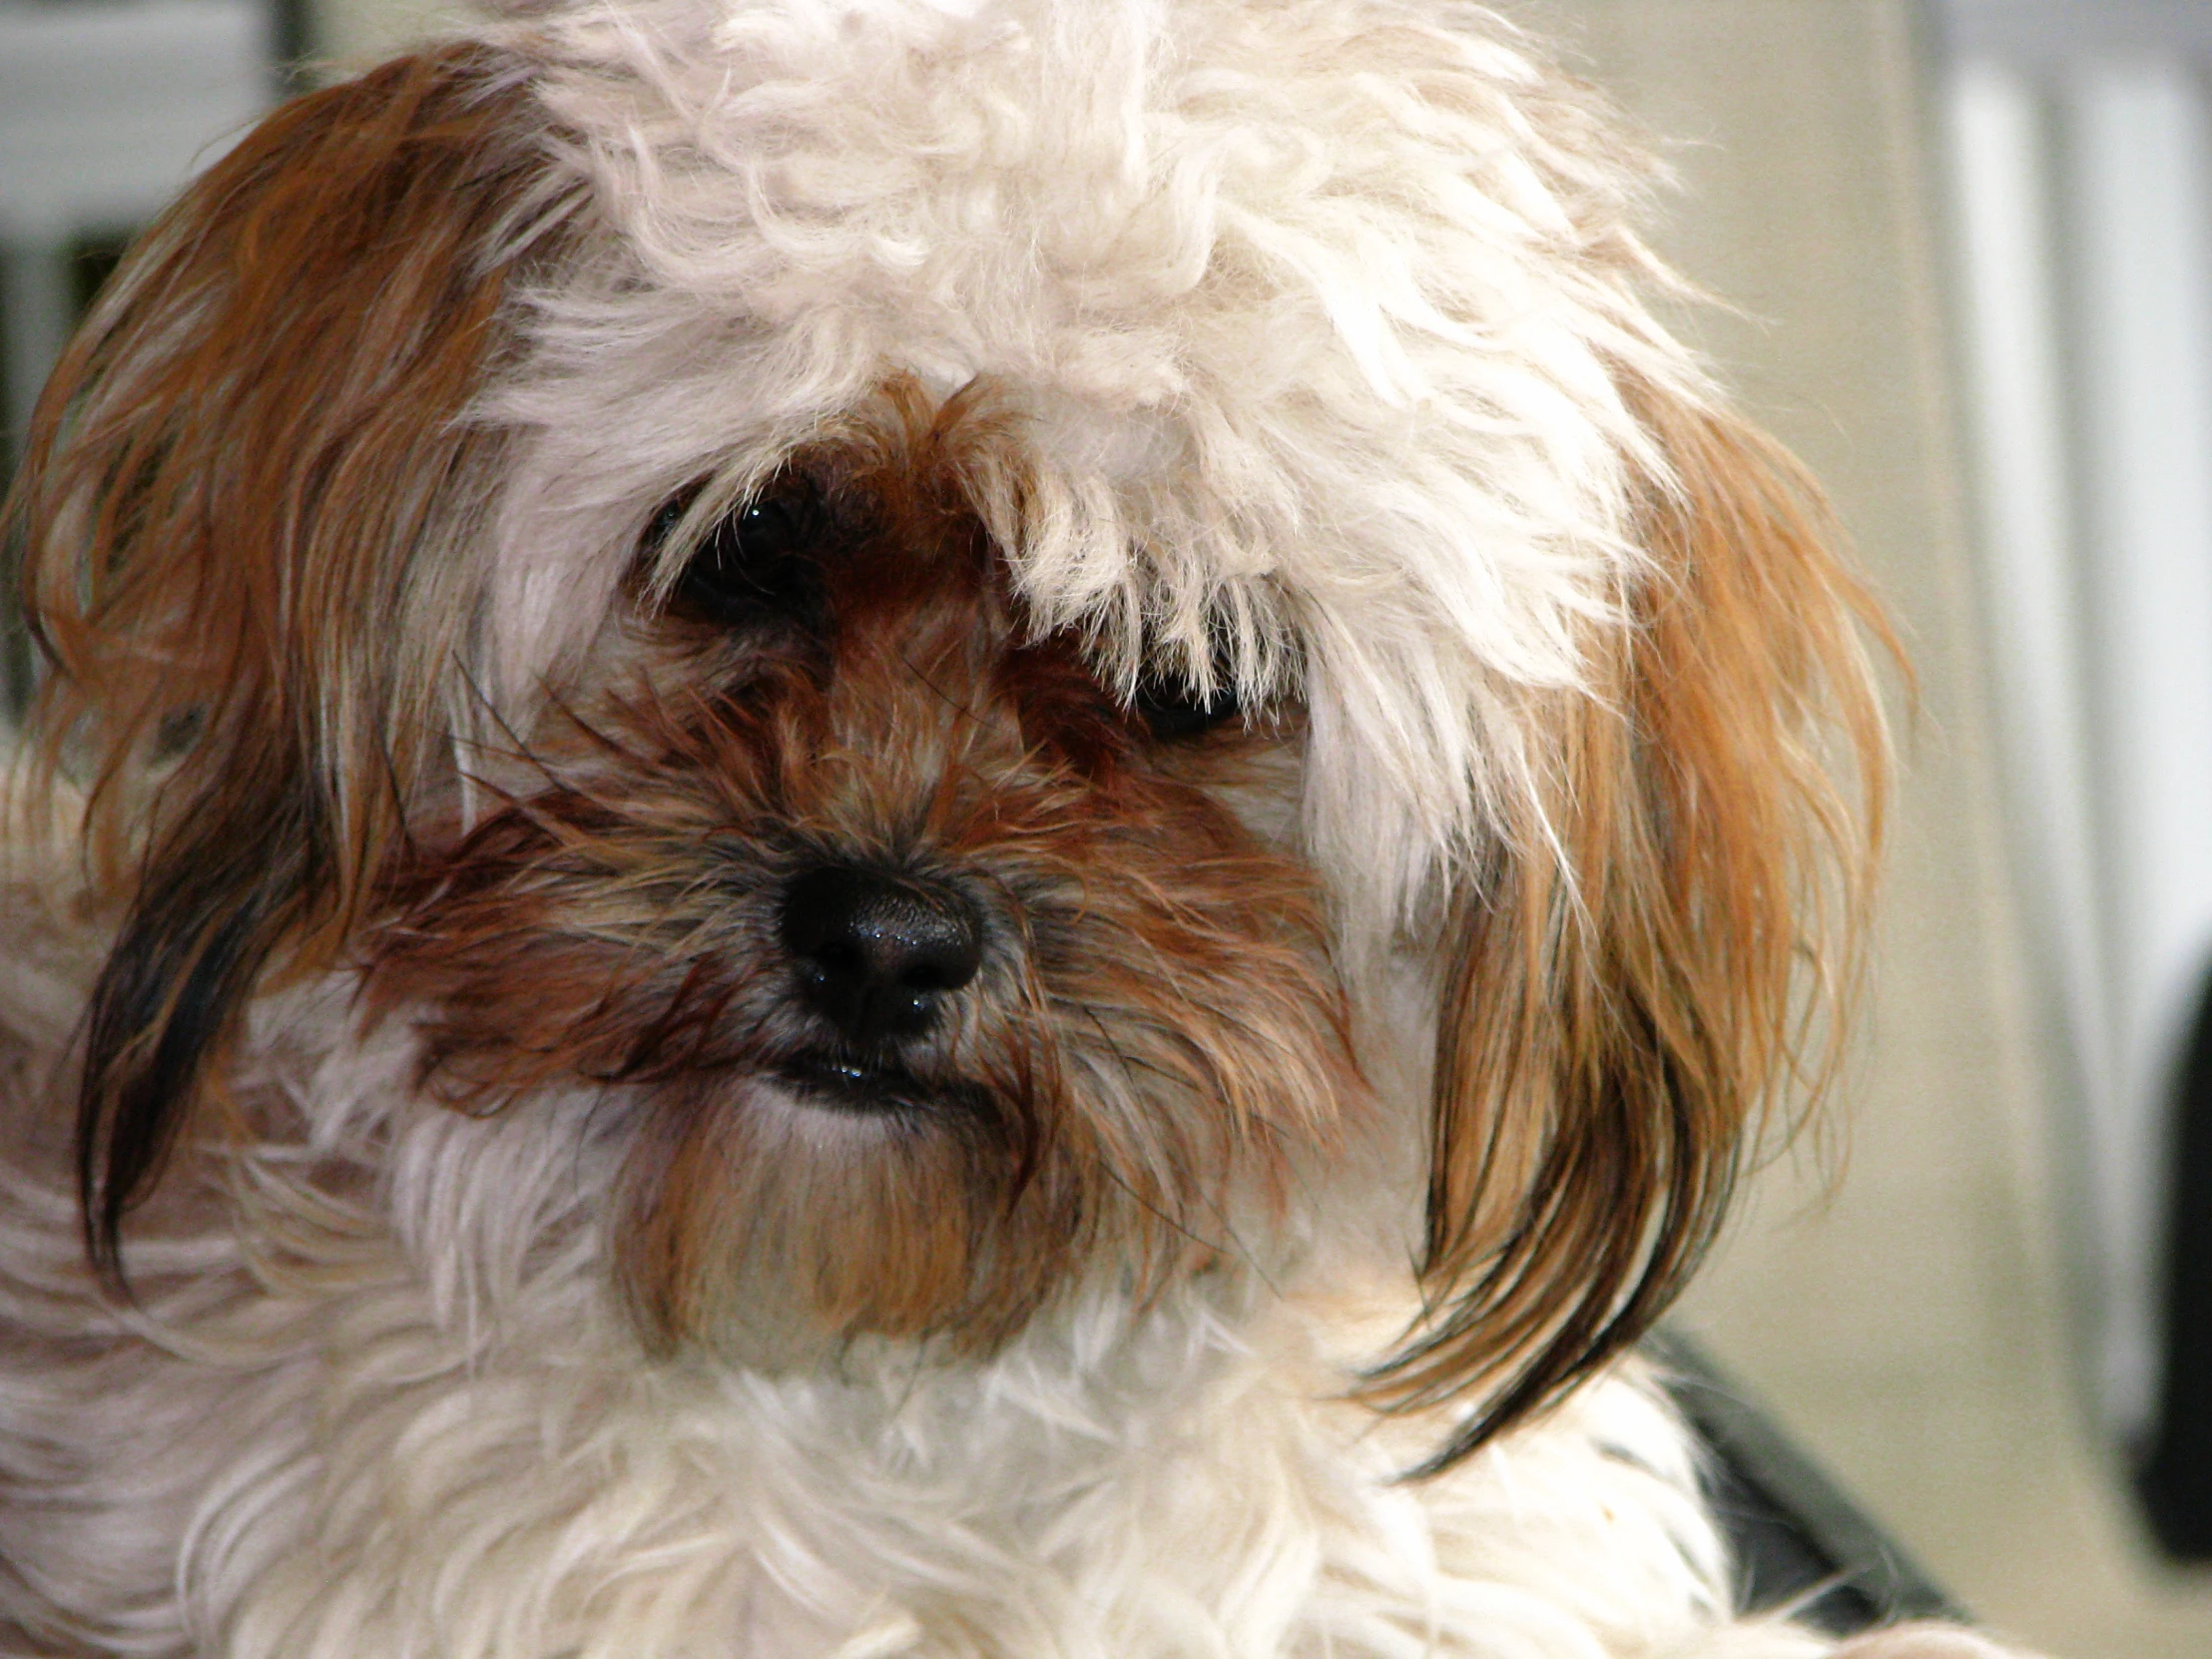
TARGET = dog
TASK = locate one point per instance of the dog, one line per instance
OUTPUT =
(875, 827)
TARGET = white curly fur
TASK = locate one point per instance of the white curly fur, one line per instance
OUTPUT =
(1305, 320)
(411, 1423)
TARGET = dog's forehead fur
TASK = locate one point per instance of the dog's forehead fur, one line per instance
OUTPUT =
(1296, 328)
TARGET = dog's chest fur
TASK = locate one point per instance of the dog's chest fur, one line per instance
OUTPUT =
(380, 1417)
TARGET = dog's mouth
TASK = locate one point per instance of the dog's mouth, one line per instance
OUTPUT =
(851, 1083)
(862, 1085)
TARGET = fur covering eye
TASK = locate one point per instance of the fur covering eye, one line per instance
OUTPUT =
(759, 562)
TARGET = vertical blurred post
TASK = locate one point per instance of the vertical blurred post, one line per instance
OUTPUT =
(2081, 150)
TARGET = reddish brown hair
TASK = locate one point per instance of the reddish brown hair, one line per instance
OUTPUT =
(242, 495)
(1642, 983)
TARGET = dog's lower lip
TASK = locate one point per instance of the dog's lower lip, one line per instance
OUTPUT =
(852, 1085)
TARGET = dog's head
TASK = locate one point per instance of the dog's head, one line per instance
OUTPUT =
(1024, 629)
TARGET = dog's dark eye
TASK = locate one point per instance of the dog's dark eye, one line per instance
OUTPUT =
(759, 560)
(1171, 708)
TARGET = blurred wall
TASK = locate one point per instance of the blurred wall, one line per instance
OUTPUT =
(1910, 1322)
(347, 34)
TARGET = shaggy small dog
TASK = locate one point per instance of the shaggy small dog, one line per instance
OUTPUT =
(883, 828)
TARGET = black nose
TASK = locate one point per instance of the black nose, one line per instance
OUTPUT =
(875, 951)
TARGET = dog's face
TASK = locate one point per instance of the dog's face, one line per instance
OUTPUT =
(934, 976)
(1021, 688)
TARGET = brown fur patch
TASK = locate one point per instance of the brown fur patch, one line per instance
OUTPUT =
(243, 498)
(1153, 1037)
(1627, 1007)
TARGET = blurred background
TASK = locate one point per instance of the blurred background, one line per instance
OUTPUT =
(1968, 248)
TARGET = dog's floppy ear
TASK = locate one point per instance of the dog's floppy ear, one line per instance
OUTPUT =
(241, 509)
(1640, 978)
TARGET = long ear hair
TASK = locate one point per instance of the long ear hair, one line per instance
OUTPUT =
(1642, 982)
(241, 511)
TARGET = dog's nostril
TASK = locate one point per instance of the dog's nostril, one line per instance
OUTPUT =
(874, 950)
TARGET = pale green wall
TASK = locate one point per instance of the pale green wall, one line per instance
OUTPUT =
(352, 33)
(1912, 1327)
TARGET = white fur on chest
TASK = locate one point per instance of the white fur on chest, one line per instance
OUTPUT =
(412, 1424)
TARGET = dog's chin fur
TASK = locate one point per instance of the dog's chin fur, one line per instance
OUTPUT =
(902, 828)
